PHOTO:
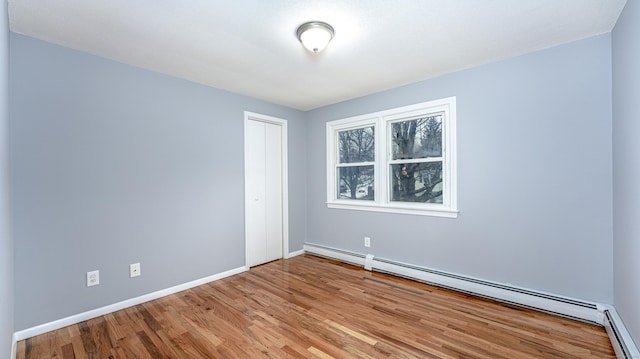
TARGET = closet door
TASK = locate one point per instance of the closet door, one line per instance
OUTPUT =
(263, 192)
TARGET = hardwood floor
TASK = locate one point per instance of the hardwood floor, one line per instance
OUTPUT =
(309, 307)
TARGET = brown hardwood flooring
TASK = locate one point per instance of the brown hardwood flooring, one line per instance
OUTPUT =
(309, 307)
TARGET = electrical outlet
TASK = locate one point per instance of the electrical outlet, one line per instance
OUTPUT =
(367, 242)
(93, 278)
(134, 270)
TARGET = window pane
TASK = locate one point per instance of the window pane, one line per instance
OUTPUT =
(417, 182)
(357, 145)
(355, 182)
(419, 138)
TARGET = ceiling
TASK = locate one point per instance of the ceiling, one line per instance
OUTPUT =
(250, 47)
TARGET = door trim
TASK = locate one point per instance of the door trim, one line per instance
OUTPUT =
(251, 116)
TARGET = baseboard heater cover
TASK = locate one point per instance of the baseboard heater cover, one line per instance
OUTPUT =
(620, 338)
(558, 305)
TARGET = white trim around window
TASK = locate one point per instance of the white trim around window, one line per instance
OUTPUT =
(401, 160)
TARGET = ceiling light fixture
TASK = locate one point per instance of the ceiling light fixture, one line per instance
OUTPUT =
(315, 35)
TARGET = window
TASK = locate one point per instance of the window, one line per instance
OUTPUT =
(400, 160)
(355, 167)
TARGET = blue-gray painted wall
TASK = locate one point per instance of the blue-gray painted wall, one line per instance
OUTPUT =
(626, 169)
(534, 175)
(6, 241)
(114, 165)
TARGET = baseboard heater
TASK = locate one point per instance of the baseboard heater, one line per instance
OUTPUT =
(583, 310)
(619, 336)
(558, 305)
(593, 313)
(563, 306)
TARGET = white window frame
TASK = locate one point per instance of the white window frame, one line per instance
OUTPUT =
(382, 122)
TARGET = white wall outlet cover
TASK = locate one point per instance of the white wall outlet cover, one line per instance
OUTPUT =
(134, 270)
(93, 278)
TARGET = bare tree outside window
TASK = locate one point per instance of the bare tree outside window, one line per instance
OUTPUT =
(416, 160)
(356, 148)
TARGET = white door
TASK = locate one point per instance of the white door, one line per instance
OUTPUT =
(264, 217)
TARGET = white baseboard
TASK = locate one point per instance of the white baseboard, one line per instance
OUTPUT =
(601, 314)
(295, 254)
(77, 318)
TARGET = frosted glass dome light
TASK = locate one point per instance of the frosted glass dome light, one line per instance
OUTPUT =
(315, 35)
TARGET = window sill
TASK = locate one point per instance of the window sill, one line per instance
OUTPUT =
(395, 208)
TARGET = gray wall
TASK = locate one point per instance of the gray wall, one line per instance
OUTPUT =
(626, 173)
(6, 242)
(534, 175)
(113, 165)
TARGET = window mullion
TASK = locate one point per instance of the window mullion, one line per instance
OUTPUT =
(381, 170)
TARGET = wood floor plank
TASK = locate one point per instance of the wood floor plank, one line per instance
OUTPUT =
(310, 307)
(68, 352)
